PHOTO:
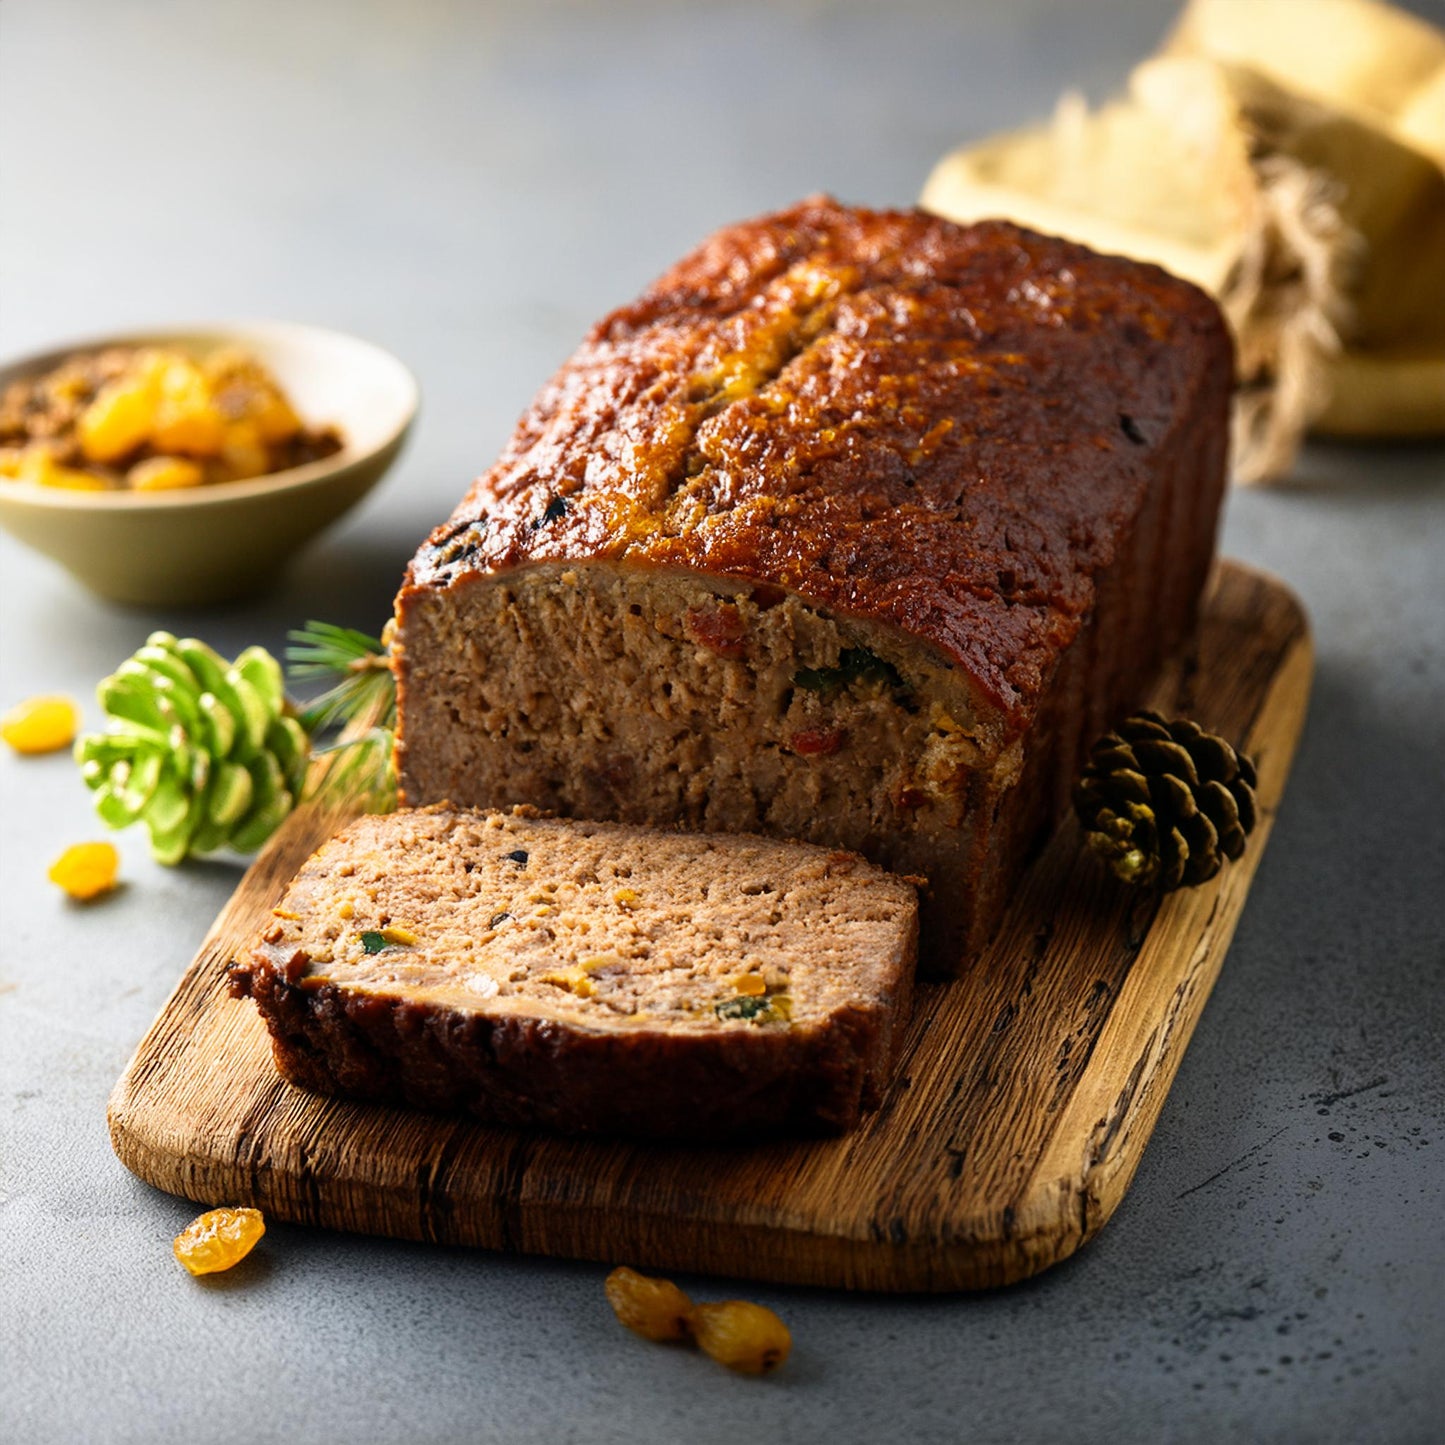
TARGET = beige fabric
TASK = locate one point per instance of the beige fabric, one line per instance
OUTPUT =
(1361, 56)
(1287, 158)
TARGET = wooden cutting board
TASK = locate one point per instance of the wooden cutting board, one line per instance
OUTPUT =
(1024, 1099)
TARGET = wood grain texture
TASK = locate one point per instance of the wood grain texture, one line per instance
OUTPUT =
(1026, 1093)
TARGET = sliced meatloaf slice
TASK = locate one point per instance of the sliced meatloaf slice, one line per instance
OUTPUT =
(856, 528)
(588, 977)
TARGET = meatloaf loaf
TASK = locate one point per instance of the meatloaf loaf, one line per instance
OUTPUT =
(855, 528)
(588, 977)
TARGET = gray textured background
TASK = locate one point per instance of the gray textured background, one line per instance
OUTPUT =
(471, 188)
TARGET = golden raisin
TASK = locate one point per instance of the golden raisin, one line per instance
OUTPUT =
(186, 417)
(119, 419)
(86, 870)
(743, 1336)
(39, 466)
(218, 1239)
(654, 1308)
(573, 979)
(40, 724)
(164, 474)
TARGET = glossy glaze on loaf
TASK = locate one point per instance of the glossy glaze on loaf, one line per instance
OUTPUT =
(988, 459)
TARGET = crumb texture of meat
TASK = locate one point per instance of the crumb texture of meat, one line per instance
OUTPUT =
(589, 977)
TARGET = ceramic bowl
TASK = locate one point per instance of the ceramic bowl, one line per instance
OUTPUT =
(208, 544)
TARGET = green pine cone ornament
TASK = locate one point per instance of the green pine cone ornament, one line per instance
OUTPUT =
(1165, 803)
(202, 751)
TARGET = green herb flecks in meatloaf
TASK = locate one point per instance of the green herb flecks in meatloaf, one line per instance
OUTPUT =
(856, 527)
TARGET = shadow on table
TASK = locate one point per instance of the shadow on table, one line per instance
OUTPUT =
(1381, 471)
(350, 581)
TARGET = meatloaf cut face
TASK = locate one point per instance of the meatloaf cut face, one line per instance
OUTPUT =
(589, 977)
(856, 528)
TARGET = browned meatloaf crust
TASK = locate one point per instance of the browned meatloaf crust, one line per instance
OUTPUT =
(589, 977)
(855, 527)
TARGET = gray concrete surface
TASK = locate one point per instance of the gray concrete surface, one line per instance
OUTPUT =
(471, 186)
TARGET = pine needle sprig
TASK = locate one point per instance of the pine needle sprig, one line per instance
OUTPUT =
(362, 770)
(362, 664)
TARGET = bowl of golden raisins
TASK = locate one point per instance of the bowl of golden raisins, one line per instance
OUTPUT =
(184, 467)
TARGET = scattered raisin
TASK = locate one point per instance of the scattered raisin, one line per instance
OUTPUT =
(218, 1239)
(86, 870)
(40, 725)
(653, 1308)
(743, 1336)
